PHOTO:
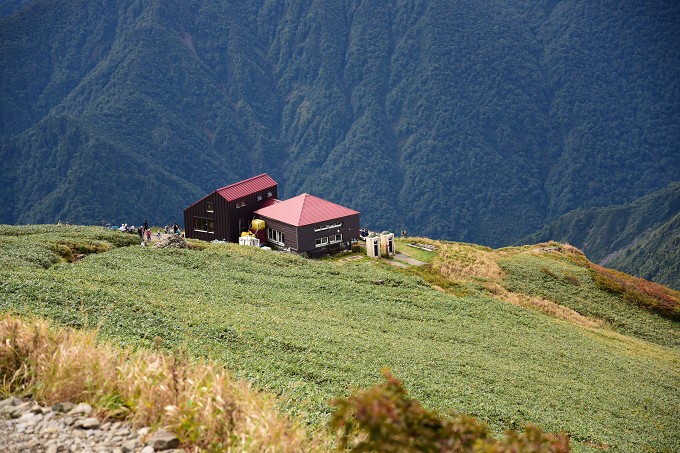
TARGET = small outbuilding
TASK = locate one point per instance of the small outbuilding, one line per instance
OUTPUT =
(226, 212)
(309, 225)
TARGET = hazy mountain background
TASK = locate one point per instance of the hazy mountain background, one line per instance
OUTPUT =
(479, 121)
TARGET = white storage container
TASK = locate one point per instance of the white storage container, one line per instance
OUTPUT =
(386, 244)
(373, 246)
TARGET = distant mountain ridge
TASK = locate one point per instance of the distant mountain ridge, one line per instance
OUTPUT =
(640, 238)
(477, 122)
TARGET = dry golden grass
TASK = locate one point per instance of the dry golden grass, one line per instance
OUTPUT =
(203, 405)
(568, 251)
(462, 262)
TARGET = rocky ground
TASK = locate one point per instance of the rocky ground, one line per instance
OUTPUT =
(25, 426)
(170, 241)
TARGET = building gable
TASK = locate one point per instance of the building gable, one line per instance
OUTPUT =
(247, 187)
(226, 212)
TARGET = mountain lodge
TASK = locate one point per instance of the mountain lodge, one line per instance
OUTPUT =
(309, 224)
(304, 224)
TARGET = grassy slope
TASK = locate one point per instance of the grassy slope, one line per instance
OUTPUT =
(556, 279)
(310, 329)
(639, 238)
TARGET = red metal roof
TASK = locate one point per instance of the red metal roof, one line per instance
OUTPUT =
(246, 187)
(305, 209)
(269, 202)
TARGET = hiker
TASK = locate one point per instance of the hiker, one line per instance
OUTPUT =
(167, 229)
(158, 235)
(140, 231)
(175, 229)
(146, 225)
(148, 235)
(403, 234)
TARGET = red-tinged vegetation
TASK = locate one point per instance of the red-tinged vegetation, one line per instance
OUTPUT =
(644, 293)
(384, 418)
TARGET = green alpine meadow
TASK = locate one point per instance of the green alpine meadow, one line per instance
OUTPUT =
(532, 334)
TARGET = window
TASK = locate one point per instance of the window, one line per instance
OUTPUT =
(204, 225)
(269, 194)
(320, 242)
(259, 198)
(240, 204)
(275, 236)
(326, 227)
(209, 206)
(335, 238)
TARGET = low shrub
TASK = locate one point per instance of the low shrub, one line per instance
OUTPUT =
(69, 250)
(63, 251)
(384, 418)
(571, 279)
(550, 273)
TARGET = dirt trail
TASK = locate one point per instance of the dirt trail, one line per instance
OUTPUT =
(408, 259)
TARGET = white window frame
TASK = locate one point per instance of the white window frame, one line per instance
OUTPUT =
(275, 236)
(321, 242)
(335, 238)
(327, 227)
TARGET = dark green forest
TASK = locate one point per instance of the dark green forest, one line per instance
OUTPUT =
(478, 121)
(640, 238)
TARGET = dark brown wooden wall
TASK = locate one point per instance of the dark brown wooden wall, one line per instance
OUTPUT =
(290, 232)
(226, 216)
(199, 209)
(307, 236)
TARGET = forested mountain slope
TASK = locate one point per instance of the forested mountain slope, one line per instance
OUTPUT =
(656, 256)
(641, 238)
(477, 121)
